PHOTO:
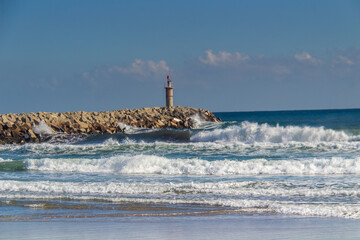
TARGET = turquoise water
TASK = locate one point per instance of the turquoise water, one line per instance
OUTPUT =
(286, 163)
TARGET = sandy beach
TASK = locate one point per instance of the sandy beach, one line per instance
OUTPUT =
(249, 227)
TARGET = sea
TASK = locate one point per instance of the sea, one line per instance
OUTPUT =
(266, 169)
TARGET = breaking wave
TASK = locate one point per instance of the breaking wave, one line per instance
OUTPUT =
(184, 189)
(42, 129)
(250, 133)
(150, 164)
(229, 194)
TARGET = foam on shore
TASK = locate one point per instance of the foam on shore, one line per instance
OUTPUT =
(228, 194)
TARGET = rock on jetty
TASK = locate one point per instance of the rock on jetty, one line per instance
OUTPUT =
(35, 127)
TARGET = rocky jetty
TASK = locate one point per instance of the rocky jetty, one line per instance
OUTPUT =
(37, 127)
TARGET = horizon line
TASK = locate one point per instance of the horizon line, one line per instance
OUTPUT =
(295, 110)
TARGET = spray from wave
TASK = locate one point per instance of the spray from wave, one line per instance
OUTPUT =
(250, 133)
(42, 129)
(200, 123)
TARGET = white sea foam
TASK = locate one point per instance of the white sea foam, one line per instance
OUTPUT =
(42, 129)
(200, 123)
(222, 189)
(250, 133)
(178, 194)
(108, 142)
(131, 129)
(47, 148)
(244, 139)
(126, 128)
(5, 160)
(132, 146)
(150, 164)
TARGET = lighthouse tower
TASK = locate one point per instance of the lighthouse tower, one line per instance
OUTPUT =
(169, 93)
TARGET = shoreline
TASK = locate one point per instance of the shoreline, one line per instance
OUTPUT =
(37, 127)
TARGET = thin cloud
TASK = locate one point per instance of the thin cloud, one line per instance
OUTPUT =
(306, 57)
(280, 69)
(44, 83)
(232, 66)
(241, 65)
(345, 60)
(302, 66)
(142, 68)
(222, 57)
(138, 70)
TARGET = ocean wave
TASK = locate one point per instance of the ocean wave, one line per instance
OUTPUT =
(128, 145)
(200, 123)
(151, 164)
(249, 133)
(128, 129)
(233, 139)
(9, 165)
(46, 148)
(224, 189)
(319, 209)
(165, 135)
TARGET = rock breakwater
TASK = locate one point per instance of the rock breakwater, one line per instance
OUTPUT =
(37, 127)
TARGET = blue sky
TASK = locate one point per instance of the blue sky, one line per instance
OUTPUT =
(221, 55)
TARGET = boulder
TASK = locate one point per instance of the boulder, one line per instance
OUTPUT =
(17, 127)
(31, 134)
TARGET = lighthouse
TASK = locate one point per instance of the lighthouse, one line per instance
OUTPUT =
(169, 93)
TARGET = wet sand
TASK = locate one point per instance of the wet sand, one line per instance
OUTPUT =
(231, 226)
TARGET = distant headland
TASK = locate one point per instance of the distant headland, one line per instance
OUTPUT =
(37, 127)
